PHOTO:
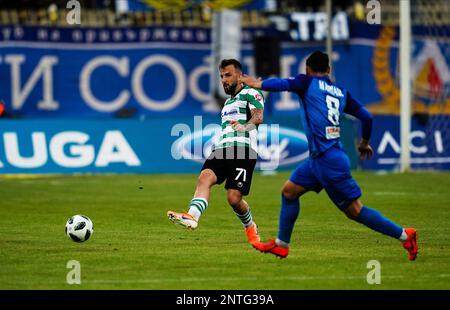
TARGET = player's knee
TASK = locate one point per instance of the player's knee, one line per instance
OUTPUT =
(353, 210)
(205, 180)
(290, 193)
(234, 199)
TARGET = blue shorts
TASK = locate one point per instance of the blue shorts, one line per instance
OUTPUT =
(330, 171)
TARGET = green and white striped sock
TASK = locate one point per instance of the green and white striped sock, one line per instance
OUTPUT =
(197, 207)
(246, 218)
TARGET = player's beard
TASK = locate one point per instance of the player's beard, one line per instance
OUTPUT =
(230, 89)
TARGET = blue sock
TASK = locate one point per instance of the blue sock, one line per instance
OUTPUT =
(376, 221)
(288, 215)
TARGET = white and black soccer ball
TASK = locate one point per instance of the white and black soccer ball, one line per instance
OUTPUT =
(79, 228)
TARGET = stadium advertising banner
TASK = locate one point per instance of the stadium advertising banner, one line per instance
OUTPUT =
(429, 146)
(164, 72)
(101, 72)
(133, 146)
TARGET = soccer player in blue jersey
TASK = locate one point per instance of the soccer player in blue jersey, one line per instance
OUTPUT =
(328, 167)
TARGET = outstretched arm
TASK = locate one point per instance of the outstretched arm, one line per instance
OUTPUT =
(299, 84)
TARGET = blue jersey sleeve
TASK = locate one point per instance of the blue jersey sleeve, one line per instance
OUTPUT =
(298, 84)
(355, 108)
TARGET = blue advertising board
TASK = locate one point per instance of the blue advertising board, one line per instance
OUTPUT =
(429, 144)
(181, 145)
(133, 146)
(163, 72)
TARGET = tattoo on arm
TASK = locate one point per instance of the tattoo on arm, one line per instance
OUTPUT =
(256, 119)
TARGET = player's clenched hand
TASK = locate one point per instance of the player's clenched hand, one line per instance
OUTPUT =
(237, 126)
(250, 81)
(365, 150)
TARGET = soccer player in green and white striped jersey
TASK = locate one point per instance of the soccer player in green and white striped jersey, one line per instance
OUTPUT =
(234, 156)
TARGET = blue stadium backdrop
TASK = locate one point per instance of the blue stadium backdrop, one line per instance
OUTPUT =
(68, 85)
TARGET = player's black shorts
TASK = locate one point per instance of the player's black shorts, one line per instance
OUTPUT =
(234, 164)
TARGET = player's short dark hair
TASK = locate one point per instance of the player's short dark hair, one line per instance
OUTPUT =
(318, 61)
(226, 62)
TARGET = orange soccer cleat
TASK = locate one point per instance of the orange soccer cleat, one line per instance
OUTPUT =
(272, 247)
(411, 243)
(252, 234)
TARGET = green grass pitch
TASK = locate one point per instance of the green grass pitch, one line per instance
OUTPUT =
(134, 246)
